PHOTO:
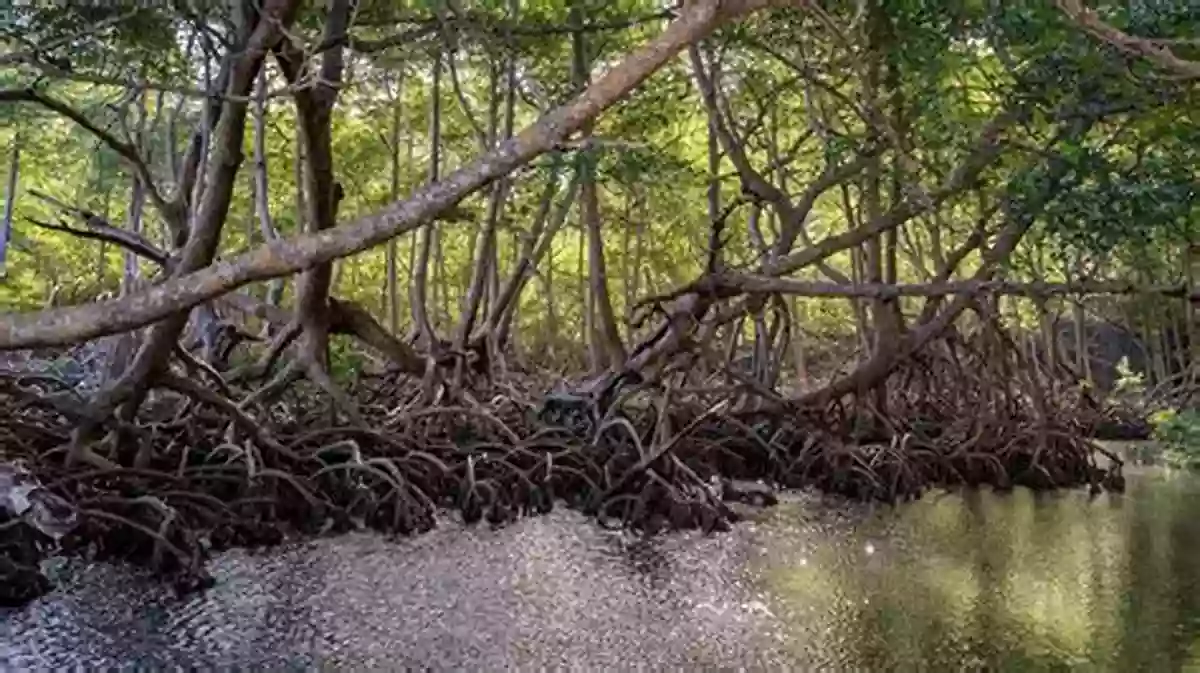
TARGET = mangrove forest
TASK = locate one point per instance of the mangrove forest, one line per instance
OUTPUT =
(280, 268)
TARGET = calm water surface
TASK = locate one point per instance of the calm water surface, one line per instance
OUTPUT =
(1009, 582)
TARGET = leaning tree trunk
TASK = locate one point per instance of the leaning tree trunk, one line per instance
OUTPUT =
(537, 245)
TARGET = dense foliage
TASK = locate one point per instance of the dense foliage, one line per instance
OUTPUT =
(798, 85)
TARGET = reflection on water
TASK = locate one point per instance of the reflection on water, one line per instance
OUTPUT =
(1020, 581)
(1011, 582)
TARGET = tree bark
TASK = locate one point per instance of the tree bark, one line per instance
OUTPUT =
(10, 200)
(205, 231)
(64, 326)
(262, 194)
(392, 296)
(609, 350)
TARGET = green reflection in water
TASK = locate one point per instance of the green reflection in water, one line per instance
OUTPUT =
(1018, 581)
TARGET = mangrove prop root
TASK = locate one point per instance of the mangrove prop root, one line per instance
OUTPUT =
(957, 419)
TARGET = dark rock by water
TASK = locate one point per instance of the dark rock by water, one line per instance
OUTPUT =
(31, 520)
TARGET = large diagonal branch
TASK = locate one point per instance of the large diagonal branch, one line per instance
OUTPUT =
(1156, 51)
(280, 258)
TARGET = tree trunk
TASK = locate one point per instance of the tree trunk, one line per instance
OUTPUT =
(894, 323)
(102, 249)
(485, 247)
(639, 250)
(204, 233)
(713, 193)
(799, 349)
(1192, 274)
(586, 299)
(881, 333)
(393, 297)
(10, 200)
(137, 199)
(420, 285)
(315, 109)
(1081, 342)
(262, 194)
(602, 320)
(541, 236)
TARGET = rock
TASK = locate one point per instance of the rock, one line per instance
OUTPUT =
(29, 517)
(20, 584)
(748, 493)
(22, 496)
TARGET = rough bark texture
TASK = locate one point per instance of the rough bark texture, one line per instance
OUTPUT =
(205, 232)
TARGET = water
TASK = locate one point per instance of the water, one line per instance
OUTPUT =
(1010, 582)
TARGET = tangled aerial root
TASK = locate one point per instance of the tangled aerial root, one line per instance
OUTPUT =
(951, 421)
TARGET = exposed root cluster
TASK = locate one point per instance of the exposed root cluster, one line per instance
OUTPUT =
(969, 412)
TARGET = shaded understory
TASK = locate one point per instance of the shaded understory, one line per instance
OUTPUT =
(656, 459)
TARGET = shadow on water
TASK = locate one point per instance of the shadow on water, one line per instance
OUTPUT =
(1020, 581)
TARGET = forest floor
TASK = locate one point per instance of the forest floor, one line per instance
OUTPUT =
(188, 483)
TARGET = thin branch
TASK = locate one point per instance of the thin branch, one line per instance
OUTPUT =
(126, 150)
(756, 283)
(106, 234)
(98, 229)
